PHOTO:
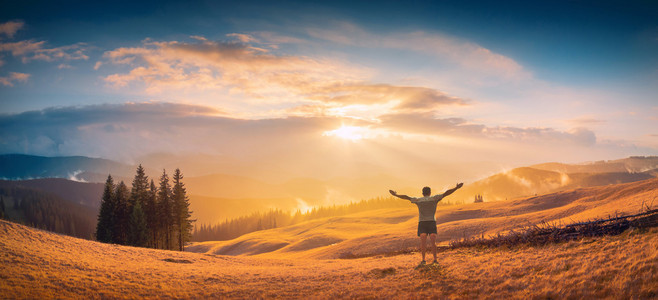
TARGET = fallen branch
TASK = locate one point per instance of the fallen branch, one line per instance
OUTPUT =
(545, 233)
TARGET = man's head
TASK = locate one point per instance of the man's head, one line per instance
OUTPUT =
(427, 191)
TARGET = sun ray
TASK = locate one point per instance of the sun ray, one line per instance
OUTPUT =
(352, 133)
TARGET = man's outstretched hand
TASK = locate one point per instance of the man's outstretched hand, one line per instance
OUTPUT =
(460, 184)
(393, 192)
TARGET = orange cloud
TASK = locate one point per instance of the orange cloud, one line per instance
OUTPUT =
(175, 65)
(31, 50)
(299, 81)
(10, 28)
(464, 53)
(429, 124)
(409, 97)
(14, 77)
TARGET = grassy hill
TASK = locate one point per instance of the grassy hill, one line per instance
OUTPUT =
(39, 264)
(633, 164)
(303, 261)
(390, 230)
(532, 181)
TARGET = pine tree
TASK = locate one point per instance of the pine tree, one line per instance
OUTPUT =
(151, 211)
(2, 207)
(121, 213)
(140, 187)
(105, 225)
(139, 195)
(137, 226)
(181, 210)
(165, 211)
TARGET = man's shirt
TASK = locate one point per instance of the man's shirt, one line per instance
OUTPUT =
(426, 207)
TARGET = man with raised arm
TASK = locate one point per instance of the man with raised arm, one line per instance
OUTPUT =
(426, 221)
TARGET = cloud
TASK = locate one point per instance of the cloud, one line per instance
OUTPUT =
(576, 136)
(130, 130)
(409, 97)
(10, 28)
(28, 50)
(243, 38)
(21, 48)
(293, 146)
(31, 50)
(302, 82)
(427, 123)
(466, 54)
(166, 66)
(585, 121)
(14, 77)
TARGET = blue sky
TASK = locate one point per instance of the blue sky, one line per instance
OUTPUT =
(514, 75)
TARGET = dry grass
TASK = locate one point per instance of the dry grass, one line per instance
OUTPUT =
(301, 261)
(385, 231)
(37, 264)
(545, 233)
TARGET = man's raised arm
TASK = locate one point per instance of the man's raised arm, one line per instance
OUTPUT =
(452, 190)
(405, 197)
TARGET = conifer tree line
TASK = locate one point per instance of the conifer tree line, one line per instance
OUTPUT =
(43, 210)
(146, 215)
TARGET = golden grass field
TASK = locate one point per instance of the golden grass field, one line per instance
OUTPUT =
(305, 263)
(394, 230)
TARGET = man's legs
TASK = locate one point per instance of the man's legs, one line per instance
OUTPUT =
(433, 245)
(423, 239)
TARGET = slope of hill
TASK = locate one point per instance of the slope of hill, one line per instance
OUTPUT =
(529, 181)
(36, 264)
(384, 231)
(633, 164)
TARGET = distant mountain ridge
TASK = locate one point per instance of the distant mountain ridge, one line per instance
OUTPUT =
(633, 164)
(77, 168)
(244, 194)
(553, 177)
(219, 196)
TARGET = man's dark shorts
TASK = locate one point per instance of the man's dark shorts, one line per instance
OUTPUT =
(426, 227)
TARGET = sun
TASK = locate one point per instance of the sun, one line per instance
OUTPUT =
(352, 133)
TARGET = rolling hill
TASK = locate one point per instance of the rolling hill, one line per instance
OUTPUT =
(39, 264)
(392, 230)
(219, 196)
(528, 181)
(633, 164)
